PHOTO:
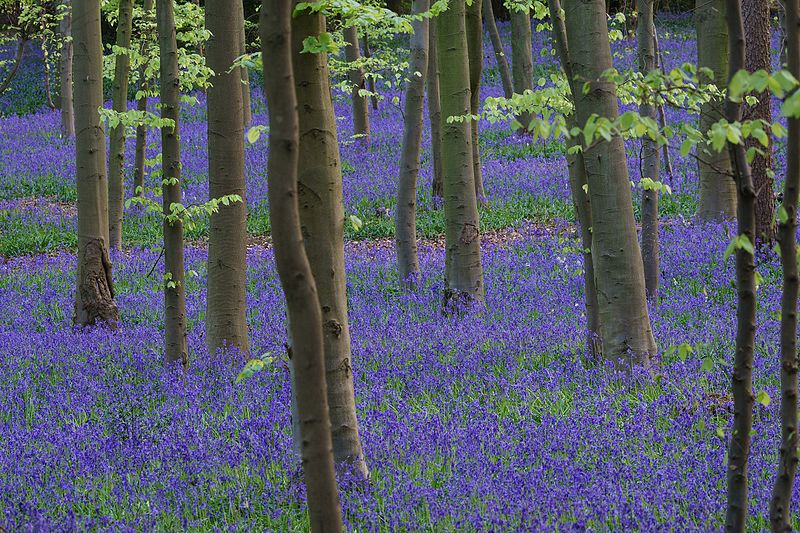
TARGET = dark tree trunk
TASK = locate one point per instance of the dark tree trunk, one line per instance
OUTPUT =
(94, 295)
(358, 82)
(646, 35)
(742, 382)
(321, 210)
(580, 196)
(522, 60)
(780, 507)
(65, 93)
(435, 110)
(497, 46)
(175, 349)
(627, 337)
(119, 101)
(756, 17)
(247, 113)
(17, 61)
(463, 271)
(226, 321)
(305, 316)
(406, 222)
(370, 80)
(141, 105)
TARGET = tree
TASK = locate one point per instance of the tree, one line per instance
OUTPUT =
(717, 188)
(756, 16)
(226, 321)
(780, 506)
(94, 294)
(321, 216)
(358, 84)
(141, 104)
(65, 66)
(463, 271)
(119, 102)
(474, 28)
(305, 316)
(434, 109)
(742, 379)
(497, 47)
(175, 348)
(521, 57)
(406, 221)
(579, 187)
(247, 113)
(646, 37)
(625, 329)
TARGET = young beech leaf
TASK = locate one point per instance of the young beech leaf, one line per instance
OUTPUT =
(763, 398)
(356, 223)
(708, 365)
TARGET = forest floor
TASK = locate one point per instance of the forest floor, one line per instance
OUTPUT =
(493, 420)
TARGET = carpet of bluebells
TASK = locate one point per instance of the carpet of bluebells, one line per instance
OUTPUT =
(493, 420)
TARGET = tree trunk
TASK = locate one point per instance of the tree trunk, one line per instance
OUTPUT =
(175, 349)
(119, 102)
(17, 61)
(141, 105)
(742, 379)
(497, 46)
(463, 273)
(352, 53)
(625, 331)
(756, 15)
(247, 113)
(406, 222)
(435, 110)
(646, 35)
(717, 188)
(305, 316)
(522, 60)
(94, 295)
(474, 28)
(580, 197)
(780, 507)
(65, 93)
(226, 321)
(321, 216)
(371, 79)
(46, 64)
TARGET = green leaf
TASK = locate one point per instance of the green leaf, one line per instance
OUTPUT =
(251, 367)
(763, 398)
(708, 365)
(253, 134)
(356, 223)
(783, 216)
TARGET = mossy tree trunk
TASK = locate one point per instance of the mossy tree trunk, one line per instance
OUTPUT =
(463, 270)
(406, 216)
(94, 294)
(65, 66)
(226, 320)
(141, 105)
(625, 330)
(175, 348)
(294, 270)
(247, 112)
(119, 102)
(474, 27)
(717, 187)
(434, 110)
(322, 221)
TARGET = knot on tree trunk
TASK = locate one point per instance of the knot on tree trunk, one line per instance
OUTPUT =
(95, 303)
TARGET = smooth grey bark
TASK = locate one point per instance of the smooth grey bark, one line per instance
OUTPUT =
(497, 47)
(474, 28)
(294, 270)
(322, 220)
(65, 66)
(116, 150)
(406, 215)
(781, 503)
(141, 105)
(522, 60)
(717, 187)
(742, 376)
(757, 21)
(352, 53)
(434, 110)
(226, 320)
(625, 330)
(646, 36)
(463, 283)
(580, 196)
(94, 294)
(175, 348)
